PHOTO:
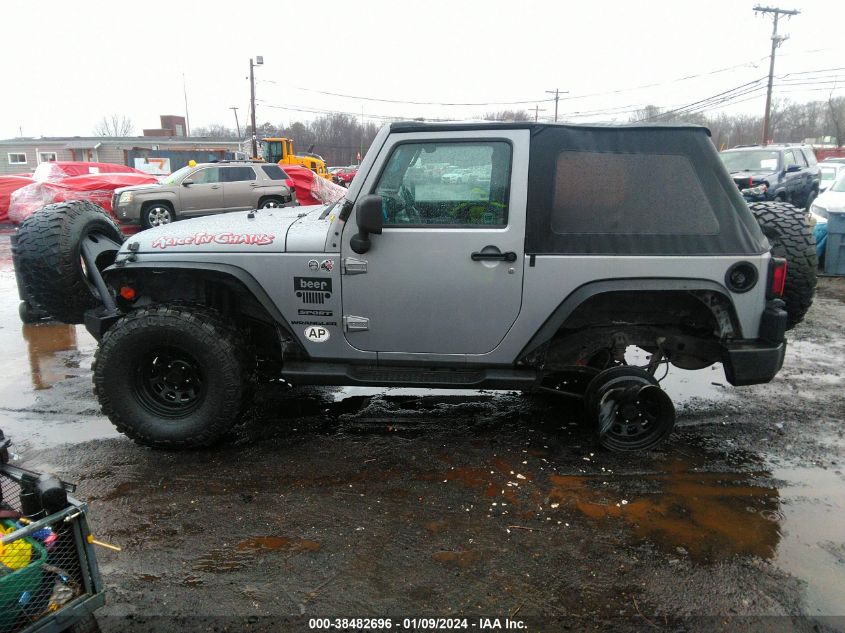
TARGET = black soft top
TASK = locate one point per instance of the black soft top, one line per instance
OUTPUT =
(455, 126)
(633, 189)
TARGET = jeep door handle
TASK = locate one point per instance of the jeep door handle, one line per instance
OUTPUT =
(508, 256)
(215, 186)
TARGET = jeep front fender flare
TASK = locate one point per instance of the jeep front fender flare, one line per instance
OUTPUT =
(239, 274)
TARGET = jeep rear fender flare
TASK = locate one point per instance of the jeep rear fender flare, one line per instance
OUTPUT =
(239, 274)
(591, 289)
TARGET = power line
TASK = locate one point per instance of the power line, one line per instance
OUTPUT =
(399, 101)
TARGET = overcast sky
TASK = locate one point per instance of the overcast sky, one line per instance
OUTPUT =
(66, 64)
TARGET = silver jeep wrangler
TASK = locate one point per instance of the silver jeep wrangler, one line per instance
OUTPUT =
(567, 246)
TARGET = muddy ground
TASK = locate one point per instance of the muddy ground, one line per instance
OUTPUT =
(396, 503)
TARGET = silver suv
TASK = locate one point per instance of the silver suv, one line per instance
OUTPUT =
(205, 189)
(538, 275)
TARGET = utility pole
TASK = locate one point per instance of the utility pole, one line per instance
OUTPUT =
(237, 124)
(259, 60)
(537, 111)
(187, 118)
(777, 40)
(557, 94)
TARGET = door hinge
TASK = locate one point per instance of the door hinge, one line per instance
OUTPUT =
(355, 323)
(354, 266)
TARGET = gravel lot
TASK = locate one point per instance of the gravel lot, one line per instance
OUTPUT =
(399, 503)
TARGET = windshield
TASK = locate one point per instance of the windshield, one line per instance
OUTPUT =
(839, 185)
(759, 160)
(176, 176)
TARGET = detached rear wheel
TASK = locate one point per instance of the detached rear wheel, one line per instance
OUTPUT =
(172, 376)
(791, 238)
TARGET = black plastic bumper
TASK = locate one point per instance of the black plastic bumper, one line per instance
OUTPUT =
(752, 362)
(758, 361)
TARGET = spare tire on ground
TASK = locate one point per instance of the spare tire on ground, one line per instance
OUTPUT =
(792, 239)
(49, 256)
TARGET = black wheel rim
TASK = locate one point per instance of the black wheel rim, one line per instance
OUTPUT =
(169, 382)
(635, 419)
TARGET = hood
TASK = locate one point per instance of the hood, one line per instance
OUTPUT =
(148, 187)
(237, 232)
(742, 178)
(829, 201)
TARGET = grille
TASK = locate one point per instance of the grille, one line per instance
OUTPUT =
(313, 297)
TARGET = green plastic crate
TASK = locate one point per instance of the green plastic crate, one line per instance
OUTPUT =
(13, 585)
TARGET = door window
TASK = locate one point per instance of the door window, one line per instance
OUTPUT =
(206, 176)
(789, 158)
(237, 174)
(451, 184)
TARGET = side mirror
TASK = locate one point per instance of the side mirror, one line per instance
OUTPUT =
(187, 182)
(793, 168)
(370, 219)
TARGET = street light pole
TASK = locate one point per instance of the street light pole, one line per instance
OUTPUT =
(259, 60)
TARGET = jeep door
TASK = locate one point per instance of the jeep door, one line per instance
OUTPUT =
(445, 275)
(240, 187)
(201, 192)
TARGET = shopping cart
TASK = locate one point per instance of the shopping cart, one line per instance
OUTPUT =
(49, 580)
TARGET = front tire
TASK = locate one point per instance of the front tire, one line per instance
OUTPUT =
(791, 238)
(157, 214)
(172, 377)
(271, 203)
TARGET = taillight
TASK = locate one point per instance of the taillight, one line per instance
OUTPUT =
(289, 183)
(777, 277)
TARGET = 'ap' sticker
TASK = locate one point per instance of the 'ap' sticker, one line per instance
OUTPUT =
(313, 265)
(327, 265)
(317, 334)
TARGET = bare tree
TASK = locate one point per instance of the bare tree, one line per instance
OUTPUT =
(508, 115)
(114, 125)
(216, 131)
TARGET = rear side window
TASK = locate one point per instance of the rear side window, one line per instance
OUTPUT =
(629, 194)
(274, 172)
(810, 156)
(237, 174)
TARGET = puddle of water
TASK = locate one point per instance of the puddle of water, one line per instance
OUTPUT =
(812, 544)
(274, 543)
(462, 559)
(710, 515)
(246, 553)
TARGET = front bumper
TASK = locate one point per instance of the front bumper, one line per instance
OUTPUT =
(126, 213)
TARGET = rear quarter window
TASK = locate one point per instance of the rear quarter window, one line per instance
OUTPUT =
(274, 172)
(656, 194)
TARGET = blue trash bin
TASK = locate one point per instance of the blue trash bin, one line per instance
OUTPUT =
(834, 259)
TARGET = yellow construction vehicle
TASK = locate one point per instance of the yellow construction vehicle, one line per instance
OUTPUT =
(280, 150)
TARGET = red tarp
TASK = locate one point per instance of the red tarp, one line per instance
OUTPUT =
(60, 169)
(97, 188)
(8, 184)
(311, 188)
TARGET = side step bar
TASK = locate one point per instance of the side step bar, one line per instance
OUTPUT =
(311, 373)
